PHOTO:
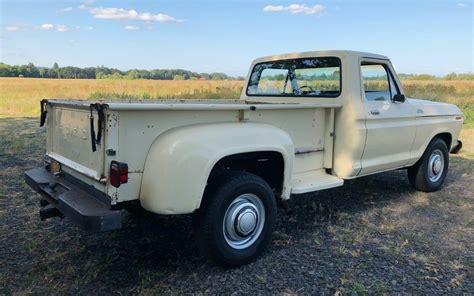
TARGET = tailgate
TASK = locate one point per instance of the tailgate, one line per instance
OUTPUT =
(69, 139)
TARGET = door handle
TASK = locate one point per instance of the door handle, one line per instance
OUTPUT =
(375, 112)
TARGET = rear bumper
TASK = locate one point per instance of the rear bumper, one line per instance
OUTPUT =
(77, 203)
(456, 147)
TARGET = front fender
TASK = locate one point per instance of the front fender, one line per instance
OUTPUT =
(180, 160)
(428, 128)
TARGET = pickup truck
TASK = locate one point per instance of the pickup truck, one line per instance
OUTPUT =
(305, 122)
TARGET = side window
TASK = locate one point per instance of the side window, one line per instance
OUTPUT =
(378, 82)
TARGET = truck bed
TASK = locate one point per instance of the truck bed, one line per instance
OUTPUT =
(130, 128)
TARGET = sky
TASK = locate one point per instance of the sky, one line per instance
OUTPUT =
(434, 37)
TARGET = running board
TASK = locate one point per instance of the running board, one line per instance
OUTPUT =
(314, 181)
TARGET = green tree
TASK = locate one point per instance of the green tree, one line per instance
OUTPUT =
(451, 76)
(133, 74)
(43, 72)
(32, 71)
(218, 76)
(5, 70)
(56, 69)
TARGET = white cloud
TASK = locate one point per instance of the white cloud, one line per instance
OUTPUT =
(110, 13)
(67, 9)
(12, 28)
(131, 28)
(296, 9)
(62, 28)
(273, 8)
(461, 5)
(57, 28)
(82, 6)
(47, 26)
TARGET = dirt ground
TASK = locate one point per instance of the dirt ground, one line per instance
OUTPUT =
(374, 235)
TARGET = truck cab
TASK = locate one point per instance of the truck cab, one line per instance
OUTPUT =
(375, 127)
(305, 122)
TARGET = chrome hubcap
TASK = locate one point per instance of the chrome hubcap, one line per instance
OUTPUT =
(243, 221)
(246, 222)
(435, 165)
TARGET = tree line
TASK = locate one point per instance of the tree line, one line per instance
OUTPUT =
(450, 76)
(101, 72)
(300, 76)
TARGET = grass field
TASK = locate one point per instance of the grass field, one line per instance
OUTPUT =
(375, 235)
(20, 96)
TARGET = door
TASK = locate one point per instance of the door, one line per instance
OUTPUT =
(390, 125)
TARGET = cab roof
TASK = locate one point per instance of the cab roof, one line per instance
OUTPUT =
(333, 53)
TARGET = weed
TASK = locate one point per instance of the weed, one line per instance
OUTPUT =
(358, 289)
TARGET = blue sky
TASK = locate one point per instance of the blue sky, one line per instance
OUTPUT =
(433, 37)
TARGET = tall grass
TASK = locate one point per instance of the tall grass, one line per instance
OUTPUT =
(21, 96)
(460, 93)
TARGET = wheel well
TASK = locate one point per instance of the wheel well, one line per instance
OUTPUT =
(268, 165)
(446, 137)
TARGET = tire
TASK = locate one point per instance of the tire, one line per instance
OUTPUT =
(429, 172)
(228, 230)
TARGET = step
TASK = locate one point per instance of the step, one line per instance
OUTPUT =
(314, 181)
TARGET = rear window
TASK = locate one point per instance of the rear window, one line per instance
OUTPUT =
(306, 77)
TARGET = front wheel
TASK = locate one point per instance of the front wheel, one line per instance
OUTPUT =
(429, 172)
(236, 220)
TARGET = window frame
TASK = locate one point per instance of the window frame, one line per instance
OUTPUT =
(390, 76)
(292, 95)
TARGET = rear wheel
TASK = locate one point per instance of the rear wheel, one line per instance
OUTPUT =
(236, 220)
(429, 172)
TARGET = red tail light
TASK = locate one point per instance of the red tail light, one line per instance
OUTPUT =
(118, 173)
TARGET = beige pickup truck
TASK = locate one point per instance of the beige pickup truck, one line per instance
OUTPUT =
(305, 122)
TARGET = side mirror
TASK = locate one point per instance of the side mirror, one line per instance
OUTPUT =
(399, 98)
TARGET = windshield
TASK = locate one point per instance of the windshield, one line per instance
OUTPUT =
(306, 77)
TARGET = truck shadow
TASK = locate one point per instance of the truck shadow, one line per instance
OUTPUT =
(164, 247)
(158, 243)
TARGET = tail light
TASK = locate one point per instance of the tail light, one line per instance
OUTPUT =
(118, 173)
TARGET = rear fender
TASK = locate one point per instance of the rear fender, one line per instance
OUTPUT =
(180, 160)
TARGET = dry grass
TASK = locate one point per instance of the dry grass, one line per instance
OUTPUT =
(20, 97)
(455, 91)
(375, 235)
